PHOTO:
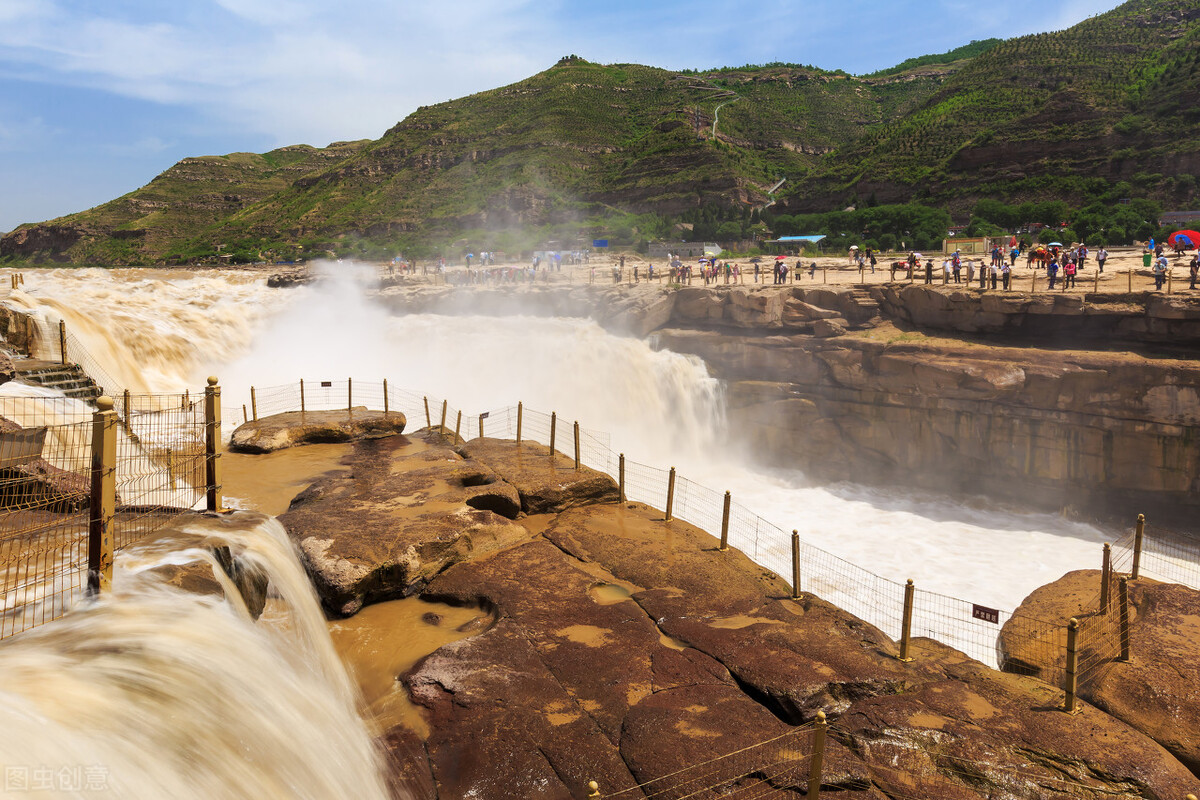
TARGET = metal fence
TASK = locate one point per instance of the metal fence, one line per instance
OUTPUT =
(78, 484)
(904, 612)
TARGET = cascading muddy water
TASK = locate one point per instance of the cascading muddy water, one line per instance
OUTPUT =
(661, 409)
(152, 330)
(157, 692)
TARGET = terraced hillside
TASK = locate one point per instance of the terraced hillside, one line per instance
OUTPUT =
(1111, 99)
(631, 149)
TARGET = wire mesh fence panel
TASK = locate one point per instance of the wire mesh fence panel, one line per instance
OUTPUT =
(596, 451)
(160, 468)
(698, 505)
(645, 484)
(1171, 560)
(45, 487)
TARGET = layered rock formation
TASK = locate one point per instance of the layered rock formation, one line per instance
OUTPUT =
(1157, 691)
(1017, 396)
(626, 647)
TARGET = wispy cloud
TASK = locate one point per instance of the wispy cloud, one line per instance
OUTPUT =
(24, 134)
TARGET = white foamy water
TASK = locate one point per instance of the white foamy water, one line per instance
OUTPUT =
(661, 408)
(154, 693)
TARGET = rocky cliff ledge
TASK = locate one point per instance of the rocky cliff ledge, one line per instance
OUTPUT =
(622, 648)
(1059, 400)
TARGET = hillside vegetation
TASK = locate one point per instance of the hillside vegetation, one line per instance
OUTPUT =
(626, 151)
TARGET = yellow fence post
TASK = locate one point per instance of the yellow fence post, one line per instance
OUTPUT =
(428, 419)
(1129, 274)
(442, 424)
(906, 625)
(385, 398)
(62, 341)
(457, 425)
(818, 757)
(1123, 622)
(253, 404)
(553, 428)
(670, 492)
(245, 414)
(302, 406)
(594, 789)
(349, 395)
(725, 523)
(103, 505)
(212, 444)
(1070, 704)
(171, 467)
(1137, 546)
(795, 565)
(481, 426)
(576, 445)
(621, 476)
(1105, 578)
(520, 415)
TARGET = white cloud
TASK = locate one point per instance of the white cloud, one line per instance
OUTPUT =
(294, 71)
(23, 134)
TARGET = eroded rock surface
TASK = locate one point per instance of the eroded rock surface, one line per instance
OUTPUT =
(280, 431)
(626, 647)
(389, 524)
(1158, 690)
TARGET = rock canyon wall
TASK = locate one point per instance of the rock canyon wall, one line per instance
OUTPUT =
(1081, 401)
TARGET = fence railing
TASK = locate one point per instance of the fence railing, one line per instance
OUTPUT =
(905, 612)
(57, 343)
(77, 485)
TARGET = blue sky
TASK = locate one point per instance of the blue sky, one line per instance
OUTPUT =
(99, 96)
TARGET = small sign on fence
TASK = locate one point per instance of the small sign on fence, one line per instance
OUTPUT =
(485, 415)
(326, 384)
(986, 614)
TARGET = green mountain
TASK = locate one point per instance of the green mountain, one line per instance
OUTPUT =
(1052, 115)
(585, 149)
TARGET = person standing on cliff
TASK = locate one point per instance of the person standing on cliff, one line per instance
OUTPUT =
(1194, 269)
(1101, 257)
(929, 270)
(1160, 272)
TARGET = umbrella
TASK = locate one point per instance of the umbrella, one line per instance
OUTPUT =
(918, 255)
(1184, 239)
(780, 258)
(1056, 244)
(755, 260)
(853, 247)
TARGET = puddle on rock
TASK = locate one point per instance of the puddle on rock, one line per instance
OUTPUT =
(268, 482)
(607, 594)
(384, 640)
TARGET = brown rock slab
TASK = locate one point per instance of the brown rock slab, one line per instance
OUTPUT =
(546, 486)
(797, 656)
(1158, 690)
(982, 733)
(695, 720)
(401, 514)
(294, 428)
(502, 724)
(602, 652)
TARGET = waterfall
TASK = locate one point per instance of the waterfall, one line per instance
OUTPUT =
(661, 408)
(157, 692)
